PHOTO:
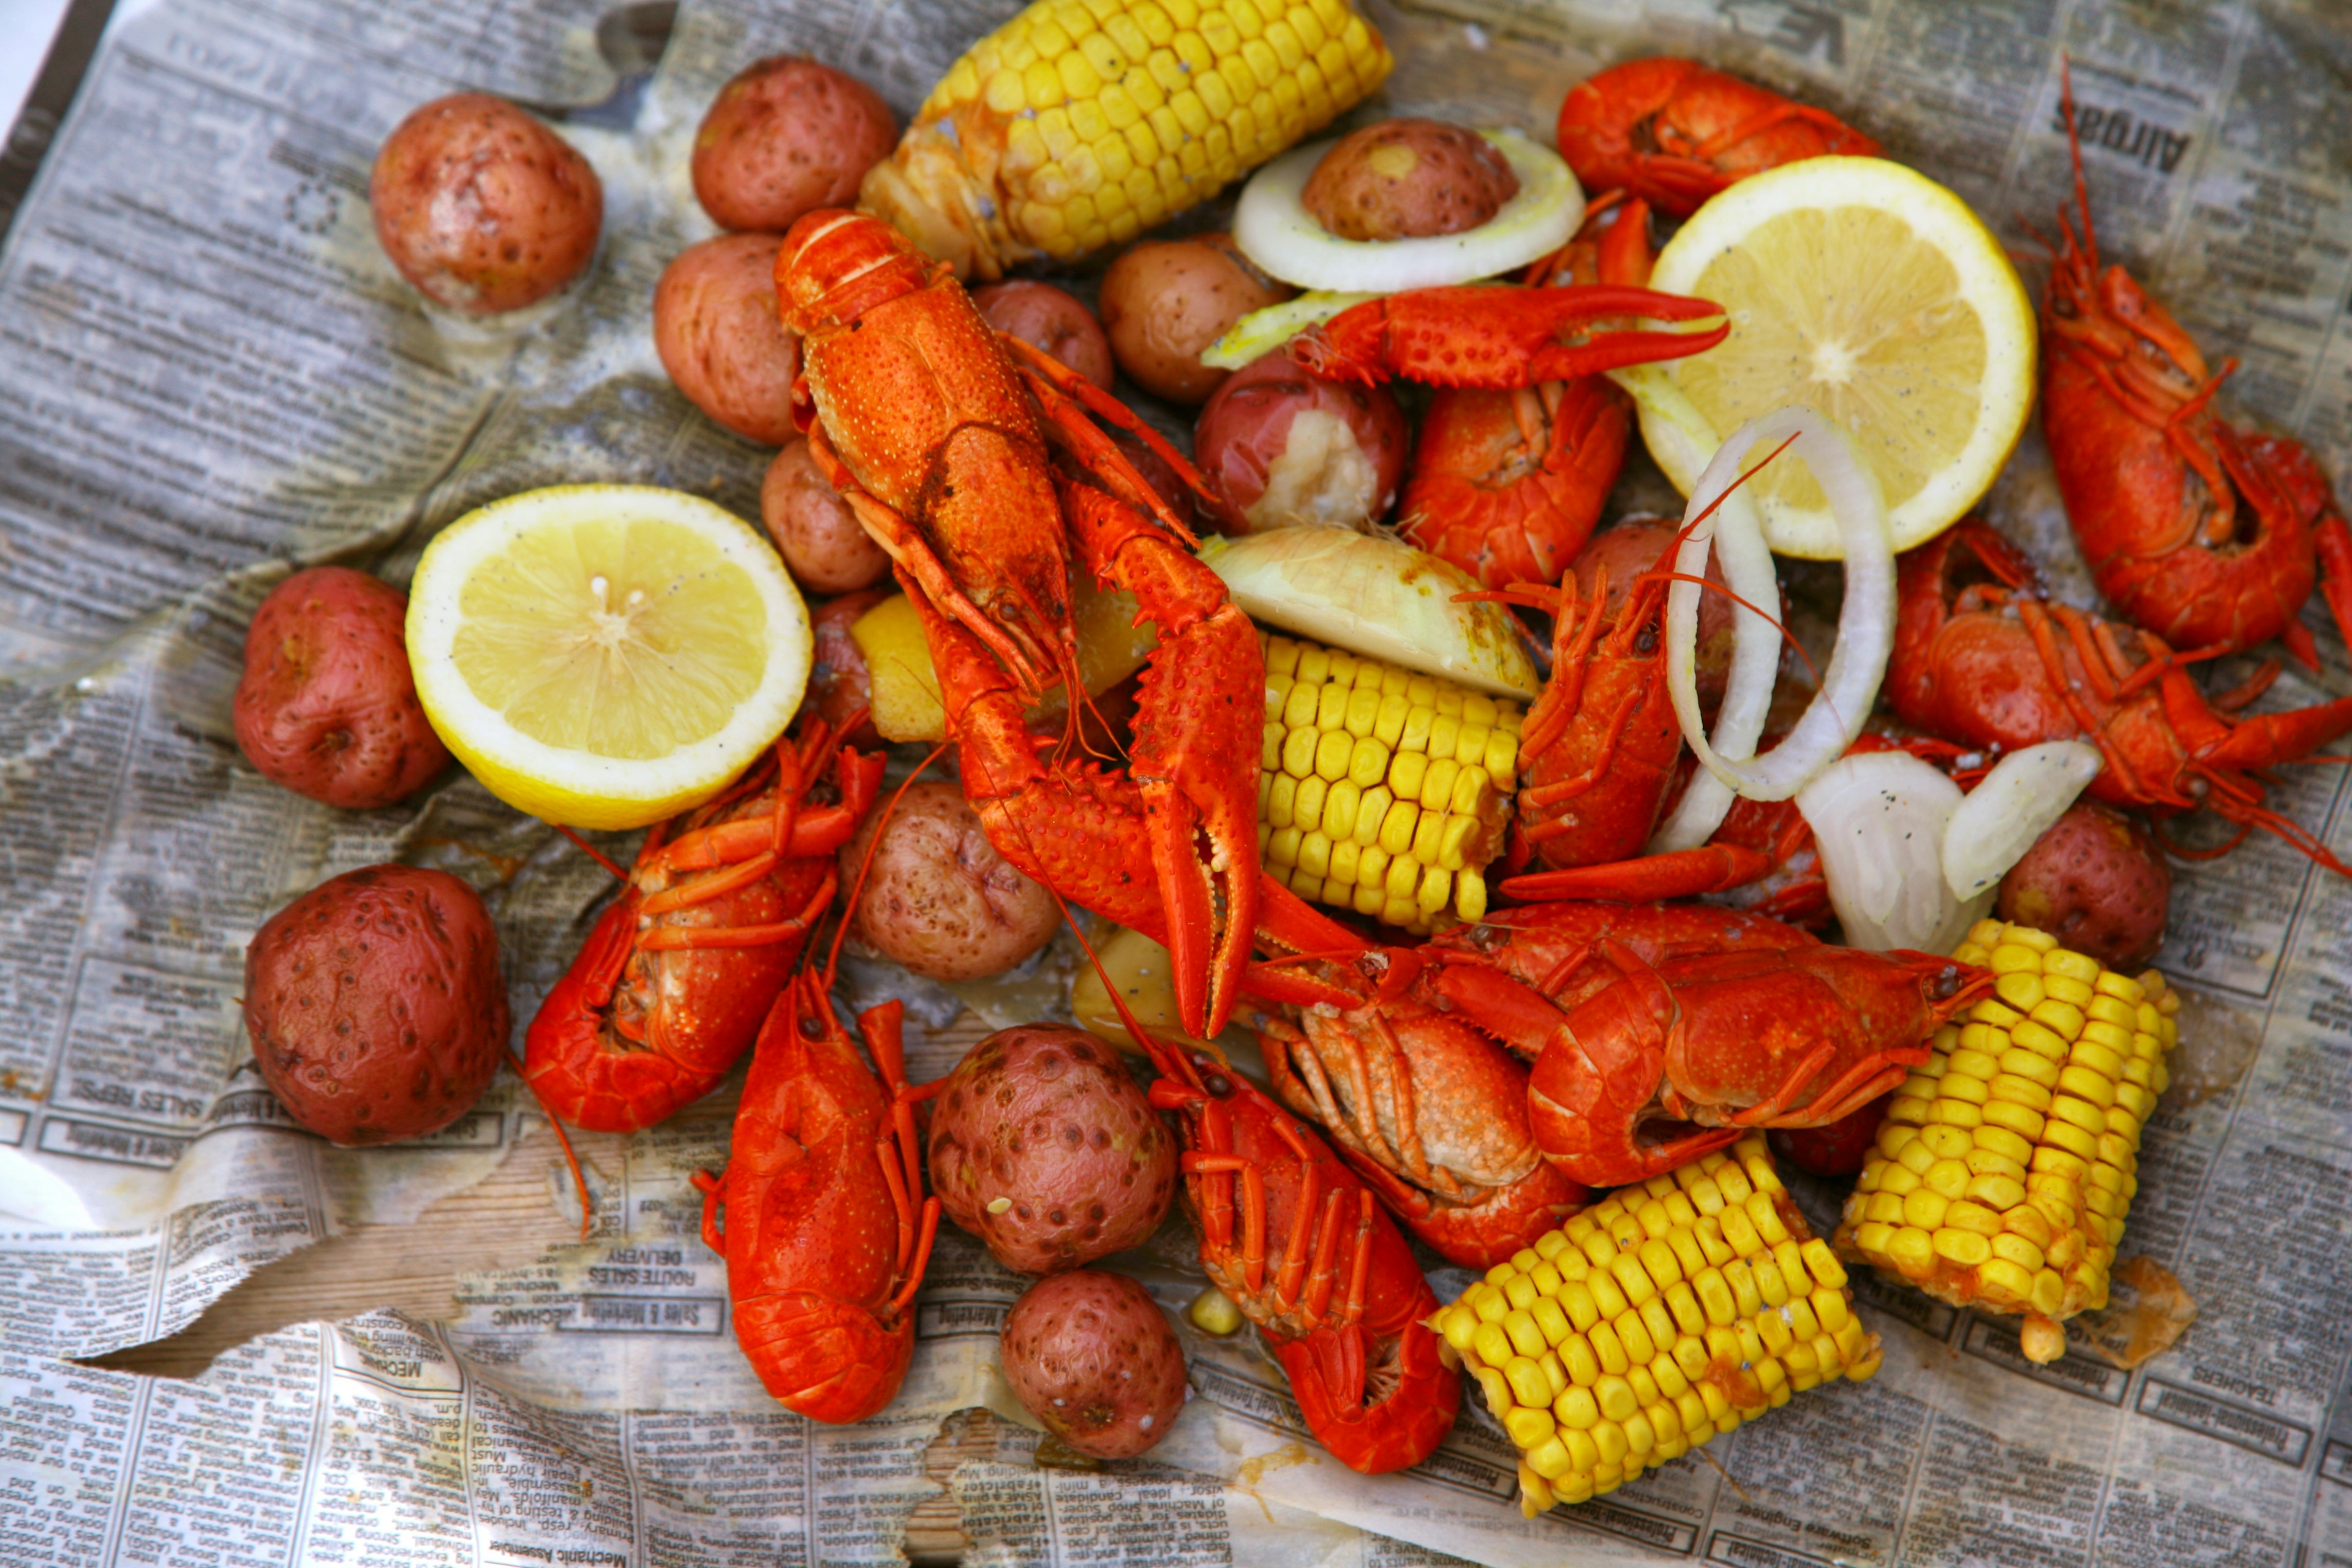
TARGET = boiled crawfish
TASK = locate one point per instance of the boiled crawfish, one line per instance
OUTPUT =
(1661, 1032)
(1673, 132)
(1303, 1249)
(820, 1213)
(972, 461)
(2209, 534)
(1982, 659)
(1506, 483)
(1431, 1112)
(674, 981)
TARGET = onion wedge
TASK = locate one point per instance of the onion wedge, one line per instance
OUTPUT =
(2025, 793)
(1881, 820)
(1719, 509)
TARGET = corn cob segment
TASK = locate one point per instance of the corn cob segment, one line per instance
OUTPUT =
(1081, 123)
(1381, 790)
(1664, 1314)
(2007, 1162)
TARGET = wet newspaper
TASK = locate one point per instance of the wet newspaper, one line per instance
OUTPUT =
(209, 373)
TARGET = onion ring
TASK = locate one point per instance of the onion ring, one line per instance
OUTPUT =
(1865, 623)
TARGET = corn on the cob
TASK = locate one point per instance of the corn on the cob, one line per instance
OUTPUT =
(1380, 789)
(1081, 123)
(2006, 1165)
(1664, 1314)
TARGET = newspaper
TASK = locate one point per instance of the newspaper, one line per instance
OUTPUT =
(208, 373)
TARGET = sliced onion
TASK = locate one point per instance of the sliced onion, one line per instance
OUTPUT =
(1274, 228)
(1998, 823)
(1881, 820)
(1865, 620)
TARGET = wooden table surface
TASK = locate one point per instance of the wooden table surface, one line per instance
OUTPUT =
(505, 1221)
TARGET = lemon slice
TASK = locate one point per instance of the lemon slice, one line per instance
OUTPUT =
(605, 656)
(1871, 293)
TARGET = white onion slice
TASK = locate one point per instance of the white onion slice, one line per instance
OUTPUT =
(1880, 819)
(1865, 619)
(1274, 228)
(1998, 823)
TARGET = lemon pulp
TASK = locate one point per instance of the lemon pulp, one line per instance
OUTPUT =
(1873, 294)
(622, 637)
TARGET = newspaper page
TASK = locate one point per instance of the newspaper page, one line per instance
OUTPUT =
(209, 374)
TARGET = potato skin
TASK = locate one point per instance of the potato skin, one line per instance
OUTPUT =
(482, 207)
(716, 328)
(374, 1003)
(938, 898)
(1043, 1146)
(2098, 882)
(840, 686)
(784, 137)
(1045, 318)
(1091, 1356)
(326, 706)
(817, 534)
(1164, 302)
(1405, 178)
(1250, 444)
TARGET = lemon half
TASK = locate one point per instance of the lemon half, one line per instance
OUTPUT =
(605, 656)
(1873, 294)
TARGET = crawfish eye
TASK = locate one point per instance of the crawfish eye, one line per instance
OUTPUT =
(1645, 641)
(811, 1029)
(1946, 985)
(1218, 1084)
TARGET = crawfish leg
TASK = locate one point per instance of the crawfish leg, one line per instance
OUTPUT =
(1198, 727)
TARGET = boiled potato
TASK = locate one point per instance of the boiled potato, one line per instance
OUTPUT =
(482, 207)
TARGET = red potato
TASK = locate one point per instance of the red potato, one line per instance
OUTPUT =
(2098, 882)
(482, 207)
(937, 896)
(840, 687)
(1045, 318)
(817, 534)
(1405, 178)
(784, 137)
(1165, 301)
(716, 328)
(374, 1005)
(1091, 1357)
(1290, 450)
(1043, 1146)
(326, 706)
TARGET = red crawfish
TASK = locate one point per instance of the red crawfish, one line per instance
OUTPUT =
(1300, 1243)
(1982, 659)
(820, 1212)
(675, 979)
(1661, 1033)
(2204, 532)
(1673, 132)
